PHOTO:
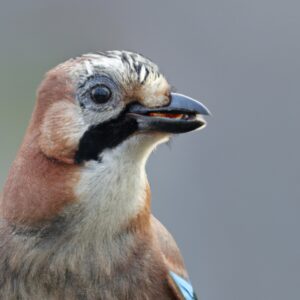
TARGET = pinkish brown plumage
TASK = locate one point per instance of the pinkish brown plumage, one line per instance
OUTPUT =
(75, 213)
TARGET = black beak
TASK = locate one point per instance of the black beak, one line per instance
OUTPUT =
(181, 115)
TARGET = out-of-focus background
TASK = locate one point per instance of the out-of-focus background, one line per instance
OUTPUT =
(230, 194)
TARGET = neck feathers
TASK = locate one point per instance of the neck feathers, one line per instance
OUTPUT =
(37, 188)
(115, 193)
(106, 196)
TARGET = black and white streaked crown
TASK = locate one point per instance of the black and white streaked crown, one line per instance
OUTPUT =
(137, 65)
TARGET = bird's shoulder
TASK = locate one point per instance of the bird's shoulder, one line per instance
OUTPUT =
(177, 277)
(169, 248)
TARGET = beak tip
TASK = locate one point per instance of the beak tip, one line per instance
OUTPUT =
(207, 112)
(191, 104)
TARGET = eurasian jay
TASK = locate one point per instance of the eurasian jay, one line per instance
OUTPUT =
(75, 217)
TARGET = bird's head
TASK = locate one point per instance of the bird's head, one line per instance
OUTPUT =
(92, 104)
(96, 120)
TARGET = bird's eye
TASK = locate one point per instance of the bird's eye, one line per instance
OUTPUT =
(100, 94)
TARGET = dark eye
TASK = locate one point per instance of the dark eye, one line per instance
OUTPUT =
(100, 94)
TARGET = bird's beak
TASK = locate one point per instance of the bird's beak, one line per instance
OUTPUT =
(181, 115)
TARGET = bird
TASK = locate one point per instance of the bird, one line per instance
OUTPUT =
(75, 211)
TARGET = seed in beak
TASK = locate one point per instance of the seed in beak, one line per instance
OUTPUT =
(166, 115)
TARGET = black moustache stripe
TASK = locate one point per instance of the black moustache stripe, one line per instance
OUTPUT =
(103, 136)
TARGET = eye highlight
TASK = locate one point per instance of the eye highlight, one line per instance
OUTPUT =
(100, 94)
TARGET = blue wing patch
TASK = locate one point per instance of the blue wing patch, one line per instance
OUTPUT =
(184, 287)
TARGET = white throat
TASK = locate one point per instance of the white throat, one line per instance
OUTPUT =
(114, 190)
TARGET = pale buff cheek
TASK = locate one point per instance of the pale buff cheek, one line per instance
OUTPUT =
(61, 130)
(155, 92)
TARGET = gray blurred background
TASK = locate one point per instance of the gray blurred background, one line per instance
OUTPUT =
(229, 194)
